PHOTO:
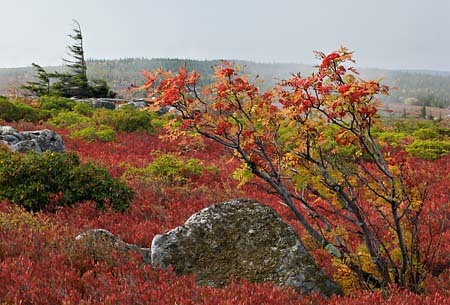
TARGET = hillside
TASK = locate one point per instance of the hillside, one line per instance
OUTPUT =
(415, 87)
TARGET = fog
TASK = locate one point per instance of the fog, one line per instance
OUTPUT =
(384, 34)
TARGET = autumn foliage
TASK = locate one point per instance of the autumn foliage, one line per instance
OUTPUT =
(310, 141)
(41, 263)
(176, 172)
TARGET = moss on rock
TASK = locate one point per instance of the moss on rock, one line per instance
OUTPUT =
(244, 240)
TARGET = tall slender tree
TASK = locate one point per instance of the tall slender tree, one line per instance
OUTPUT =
(78, 81)
(74, 82)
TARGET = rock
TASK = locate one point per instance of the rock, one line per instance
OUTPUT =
(137, 104)
(10, 139)
(4, 130)
(241, 239)
(27, 145)
(100, 237)
(164, 110)
(103, 103)
(46, 139)
(38, 141)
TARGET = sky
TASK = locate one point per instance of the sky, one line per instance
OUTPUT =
(387, 34)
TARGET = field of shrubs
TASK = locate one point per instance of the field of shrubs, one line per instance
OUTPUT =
(129, 176)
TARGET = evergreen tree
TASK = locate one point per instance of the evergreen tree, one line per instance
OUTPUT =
(77, 83)
(64, 85)
(42, 85)
(423, 112)
(73, 83)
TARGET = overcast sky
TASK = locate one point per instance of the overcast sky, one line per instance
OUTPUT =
(395, 34)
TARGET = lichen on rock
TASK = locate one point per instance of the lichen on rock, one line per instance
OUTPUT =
(38, 141)
(240, 239)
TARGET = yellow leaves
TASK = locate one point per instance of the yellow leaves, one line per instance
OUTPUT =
(345, 277)
(349, 78)
(173, 131)
(340, 231)
(289, 160)
(300, 181)
(416, 205)
(17, 218)
(243, 175)
(394, 169)
(301, 178)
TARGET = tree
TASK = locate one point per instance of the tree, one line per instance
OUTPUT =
(310, 141)
(99, 88)
(42, 85)
(73, 83)
(423, 111)
(404, 115)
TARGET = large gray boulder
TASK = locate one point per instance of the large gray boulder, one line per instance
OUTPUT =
(241, 239)
(38, 141)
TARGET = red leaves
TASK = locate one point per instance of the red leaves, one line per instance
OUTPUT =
(222, 89)
(333, 62)
(343, 90)
(329, 59)
(170, 96)
(227, 72)
(171, 87)
(30, 252)
(222, 127)
(366, 111)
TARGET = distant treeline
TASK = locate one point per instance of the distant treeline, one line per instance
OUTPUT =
(429, 88)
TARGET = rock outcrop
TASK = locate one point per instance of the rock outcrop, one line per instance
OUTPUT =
(103, 103)
(138, 104)
(100, 237)
(38, 141)
(241, 239)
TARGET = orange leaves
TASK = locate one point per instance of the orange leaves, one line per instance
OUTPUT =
(223, 106)
(192, 78)
(233, 104)
(170, 96)
(151, 78)
(234, 85)
(222, 89)
(171, 87)
(222, 127)
(345, 138)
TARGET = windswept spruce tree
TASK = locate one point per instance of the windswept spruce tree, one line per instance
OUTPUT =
(74, 82)
(42, 85)
(310, 140)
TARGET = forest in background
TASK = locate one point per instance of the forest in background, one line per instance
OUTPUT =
(414, 87)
